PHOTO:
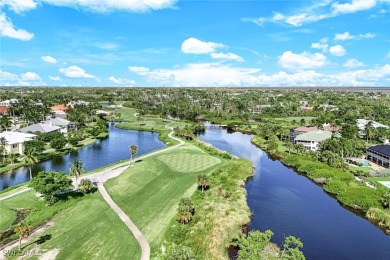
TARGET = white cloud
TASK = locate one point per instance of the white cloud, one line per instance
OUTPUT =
(317, 11)
(49, 59)
(19, 6)
(337, 50)
(139, 70)
(103, 6)
(305, 60)
(107, 45)
(7, 29)
(226, 56)
(214, 75)
(353, 63)
(122, 81)
(56, 78)
(347, 36)
(321, 46)
(354, 6)
(24, 79)
(195, 46)
(76, 72)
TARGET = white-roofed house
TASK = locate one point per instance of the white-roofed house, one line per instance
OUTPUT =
(15, 141)
(41, 128)
(311, 140)
(64, 124)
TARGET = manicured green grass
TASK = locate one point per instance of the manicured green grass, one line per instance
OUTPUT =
(89, 230)
(11, 166)
(297, 119)
(87, 141)
(127, 114)
(377, 180)
(187, 162)
(13, 189)
(84, 228)
(150, 190)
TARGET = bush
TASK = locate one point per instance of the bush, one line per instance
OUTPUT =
(335, 187)
(86, 186)
(362, 197)
(58, 143)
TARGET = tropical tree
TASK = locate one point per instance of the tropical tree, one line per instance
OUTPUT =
(86, 186)
(252, 246)
(49, 184)
(386, 200)
(23, 230)
(185, 211)
(289, 147)
(203, 181)
(12, 158)
(3, 143)
(291, 249)
(133, 150)
(30, 158)
(76, 169)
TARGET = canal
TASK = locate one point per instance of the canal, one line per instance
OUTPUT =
(107, 151)
(290, 204)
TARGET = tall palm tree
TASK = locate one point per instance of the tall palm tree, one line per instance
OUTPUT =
(3, 143)
(76, 169)
(30, 157)
(23, 230)
(133, 150)
(203, 181)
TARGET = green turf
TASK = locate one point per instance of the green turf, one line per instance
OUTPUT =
(86, 229)
(187, 162)
(127, 114)
(297, 119)
(150, 190)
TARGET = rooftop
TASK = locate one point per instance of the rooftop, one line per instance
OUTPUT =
(57, 121)
(16, 137)
(316, 136)
(42, 128)
(59, 107)
(382, 148)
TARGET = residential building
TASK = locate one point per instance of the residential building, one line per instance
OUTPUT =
(301, 130)
(64, 124)
(379, 154)
(361, 123)
(7, 103)
(3, 110)
(41, 128)
(59, 113)
(59, 107)
(311, 140)
(15, 141)
(78, 102)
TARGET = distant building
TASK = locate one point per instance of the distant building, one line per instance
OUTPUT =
(7, 103)
(361, 123)
(312, 139)
(15, 141)
(60, 113)
(307, 129)
(59, 107)
(64, 124)
(78, 102)
(41, 128)
(3, 110)
(379, 154)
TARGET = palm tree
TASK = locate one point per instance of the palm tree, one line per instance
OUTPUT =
(3, 143)
(203, 181)
(289, 146)
(12, 158)
(133, 150)
(76, 169)
(30, 157)
(23, 230)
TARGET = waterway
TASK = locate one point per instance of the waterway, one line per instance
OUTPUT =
(107, 151)
(290, 204)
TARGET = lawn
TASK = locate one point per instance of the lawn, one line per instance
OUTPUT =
(87, 229)
(150, 190)
(127, 114)
(377, 180)
(297, 119)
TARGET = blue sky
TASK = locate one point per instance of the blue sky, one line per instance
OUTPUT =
(195, 43)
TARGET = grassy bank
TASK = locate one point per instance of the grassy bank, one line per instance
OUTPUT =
(81, 228)
(220, 213)
(150, 190)
(335, 181)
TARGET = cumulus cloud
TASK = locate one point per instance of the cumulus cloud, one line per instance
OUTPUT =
(7, 29)
(353, 63)
(138, 70)
(55, 78)
(122, 81)
(49, 59)
(24, 79)
(321, 46)
(19, 6)
(76, 72)
(302, 61)
(214, 74)
(337, 50)
(195, 46)
(226, 56)
(347, 36)
(354, 6)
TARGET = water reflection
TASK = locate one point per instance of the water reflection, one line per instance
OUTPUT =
(290, 204)
(104, 152)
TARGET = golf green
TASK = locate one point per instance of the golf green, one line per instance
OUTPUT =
(188, 162)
